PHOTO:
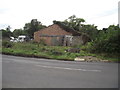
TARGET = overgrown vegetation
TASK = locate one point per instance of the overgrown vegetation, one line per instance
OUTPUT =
(104, 43)
(107, 41)
(35, 50)
(7, 44)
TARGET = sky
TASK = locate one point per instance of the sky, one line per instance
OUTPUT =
(15, 13)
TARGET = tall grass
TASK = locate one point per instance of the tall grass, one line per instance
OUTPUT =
(39, 50)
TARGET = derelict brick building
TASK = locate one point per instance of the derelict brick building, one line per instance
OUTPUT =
(58, 34)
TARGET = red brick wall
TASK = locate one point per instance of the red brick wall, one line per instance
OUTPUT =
(51, 30)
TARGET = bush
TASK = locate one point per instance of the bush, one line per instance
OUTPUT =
(107, 42)
(7, 44)
(56, 53)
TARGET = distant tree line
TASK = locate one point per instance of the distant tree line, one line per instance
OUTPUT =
(28, 29)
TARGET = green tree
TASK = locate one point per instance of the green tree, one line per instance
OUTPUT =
(74, 22)
(77, 24)
(90, 30)
(18, 32)
(6, 33)
(32, 27)
(107, 40)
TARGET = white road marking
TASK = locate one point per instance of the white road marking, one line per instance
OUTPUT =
(76, 69)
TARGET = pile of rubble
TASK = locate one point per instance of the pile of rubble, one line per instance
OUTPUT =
(89, 59)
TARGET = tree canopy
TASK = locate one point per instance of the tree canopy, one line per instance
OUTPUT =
(107, 40)
(6, 33)
(32, 27)
(77, 24)
(18, 32)
(74, 22)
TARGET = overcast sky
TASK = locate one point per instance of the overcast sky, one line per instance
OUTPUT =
(16, 13)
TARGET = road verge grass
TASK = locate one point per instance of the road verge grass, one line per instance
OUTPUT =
(28, 49)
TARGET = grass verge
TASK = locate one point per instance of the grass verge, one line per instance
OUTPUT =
(49, 52)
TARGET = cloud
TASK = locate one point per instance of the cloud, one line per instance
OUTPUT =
(18, 12)
(108, 13)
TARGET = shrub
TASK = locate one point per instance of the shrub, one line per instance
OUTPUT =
(107, 42)
(7, 44)
(56, 53)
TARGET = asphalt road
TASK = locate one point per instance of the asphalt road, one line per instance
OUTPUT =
(21, 72)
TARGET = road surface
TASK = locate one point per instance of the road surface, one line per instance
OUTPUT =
(22, 72)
